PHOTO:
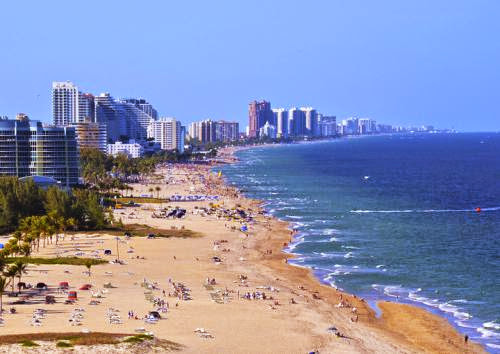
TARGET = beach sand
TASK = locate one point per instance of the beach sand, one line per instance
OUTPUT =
(235, 324)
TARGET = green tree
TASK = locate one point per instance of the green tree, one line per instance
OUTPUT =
(11, 273)
(3, 288)
(93, 163)
(20, 269)
(88, 265)
(57, 203)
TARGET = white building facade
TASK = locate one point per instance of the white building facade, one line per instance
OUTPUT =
(168, 132)
(132, 149)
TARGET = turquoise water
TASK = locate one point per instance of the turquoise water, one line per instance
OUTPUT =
(393, 217)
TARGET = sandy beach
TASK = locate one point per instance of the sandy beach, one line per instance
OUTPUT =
(226, 291)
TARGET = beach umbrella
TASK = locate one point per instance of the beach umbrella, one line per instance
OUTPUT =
(1, 245)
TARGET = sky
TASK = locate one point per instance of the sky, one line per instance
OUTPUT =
(399, 62)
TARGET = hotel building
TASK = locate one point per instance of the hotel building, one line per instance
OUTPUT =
(168, 132)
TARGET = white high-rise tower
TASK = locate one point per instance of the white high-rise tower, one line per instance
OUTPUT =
(65, 103)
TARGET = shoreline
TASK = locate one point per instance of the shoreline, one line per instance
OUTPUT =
(258, 302)
(397, 317)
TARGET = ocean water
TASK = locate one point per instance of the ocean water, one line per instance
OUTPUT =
(393, 217)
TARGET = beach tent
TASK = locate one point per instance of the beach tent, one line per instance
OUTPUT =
(107, 252)
(154, 314)
(85, 287)
(41, 286)
(72, 295)
(63, 285)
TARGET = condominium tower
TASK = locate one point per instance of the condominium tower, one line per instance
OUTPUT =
(258, 114)
(69, 105)
(281, 119)
(168, 132)
(29, 149)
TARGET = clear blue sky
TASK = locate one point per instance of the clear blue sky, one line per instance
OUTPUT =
(435, 62)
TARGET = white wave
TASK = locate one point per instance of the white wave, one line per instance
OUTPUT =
(459, 301)
(334, 239)
(348, 255)
(351, 247)
(491, 345)
(380, 266)
(464, 325)
(455, 311)
(492, 325)
(294, 217)
(423, 210)
(394, 290)
(486, 333)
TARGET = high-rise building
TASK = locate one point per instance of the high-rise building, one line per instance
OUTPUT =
(124, 118)
(168, 132)
(328, 126)
(296, 122)
(350, 126)
(310, 121)
(204, 131)
(281, 119)
(367, 126)
(69, 105)
(258, 114)
(267, 130)
(139, 114)
(65, 103)
(111, 114)
(86, 108)
(209, 131)
(226, 131)
(29, 149)
(91, 135)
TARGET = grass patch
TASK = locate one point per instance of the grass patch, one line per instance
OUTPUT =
(139, 338)
(70, 339)
(62, 344)
(28, 344)
(56, 260)
(139, 200)
(143, 230)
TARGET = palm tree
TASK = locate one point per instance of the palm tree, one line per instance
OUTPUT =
(64, 224)
(151, 190)
(25, 249)
(3, 287)
(157, 189)
(11, 273)
(20, 268)
(88, 264)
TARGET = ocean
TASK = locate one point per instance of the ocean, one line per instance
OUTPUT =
(392, 217)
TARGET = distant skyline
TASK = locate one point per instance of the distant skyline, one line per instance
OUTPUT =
(399, 62)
